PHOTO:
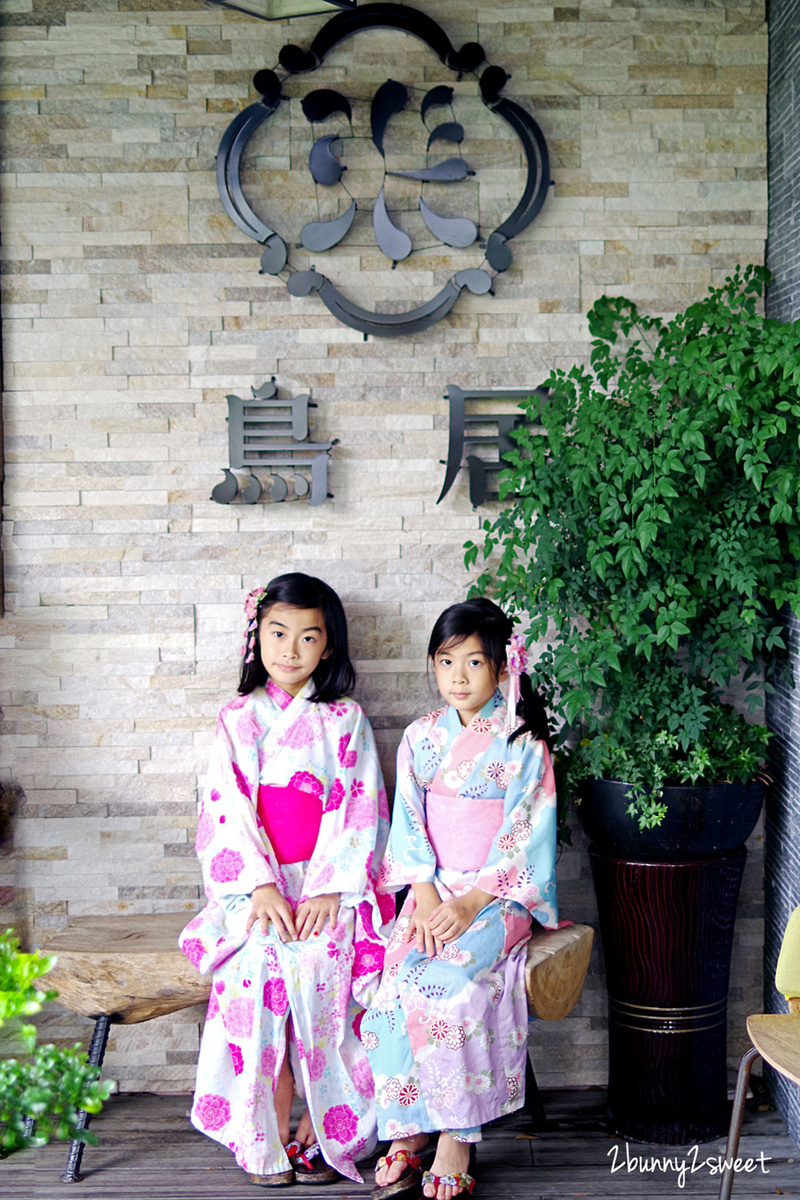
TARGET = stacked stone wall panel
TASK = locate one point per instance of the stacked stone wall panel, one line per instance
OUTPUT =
(132, 307)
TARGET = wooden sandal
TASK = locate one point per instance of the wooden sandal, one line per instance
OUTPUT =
(462, 1181)
(410, 1180)
(305, 1171)
(276, 1179)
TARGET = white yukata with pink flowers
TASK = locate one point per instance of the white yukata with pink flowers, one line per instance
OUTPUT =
(319, 986)
(447, 1036)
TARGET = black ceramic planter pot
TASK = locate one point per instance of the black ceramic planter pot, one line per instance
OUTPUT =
(667, 932)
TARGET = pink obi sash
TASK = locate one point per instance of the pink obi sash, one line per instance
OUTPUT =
(291, 819)
(461, 829)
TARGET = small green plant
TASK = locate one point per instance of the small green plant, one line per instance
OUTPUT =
(48, 1084)
(652, 535)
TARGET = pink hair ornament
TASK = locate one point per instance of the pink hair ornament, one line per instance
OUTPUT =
(516, 663)
(251, 604)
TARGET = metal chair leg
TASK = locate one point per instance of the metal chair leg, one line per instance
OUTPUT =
(97, 1049)
(737, 1116)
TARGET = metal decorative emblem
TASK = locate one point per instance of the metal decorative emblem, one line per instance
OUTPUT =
(266, 432)
(482, 425)
(326, 169)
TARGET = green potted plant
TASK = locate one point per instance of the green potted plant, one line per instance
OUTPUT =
(650, 538)
(41, 1093)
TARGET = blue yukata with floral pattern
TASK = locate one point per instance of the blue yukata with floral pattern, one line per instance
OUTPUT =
(447, 1036)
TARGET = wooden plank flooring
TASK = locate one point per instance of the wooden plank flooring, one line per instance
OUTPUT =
(149, 1151)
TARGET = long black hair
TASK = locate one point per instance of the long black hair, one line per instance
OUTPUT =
(488, 622)
(335, 676)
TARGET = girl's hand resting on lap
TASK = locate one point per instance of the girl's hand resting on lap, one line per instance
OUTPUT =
(419, 927)
(452, 918)
(312, 914)
(270, 905)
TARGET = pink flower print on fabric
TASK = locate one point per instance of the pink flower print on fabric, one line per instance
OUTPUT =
(362, 1078)
(439, 1029)
(392, 1088)
(370, 1040)
(465, 768)
(248, 730)
(348, 758)
(506, 842)
(316, 1062)
(334, 798)
(215, 795)
(481, 725)
(275, 997)
(269, 1061)
(237, 1058)
(522, 830)
(194, 950)
(361, 815)
(300, 735)
(212, 1111)
(304, 781)
(238, 1017)
(455, 1037)
(397, 1130)
(409, 1095)
(213, 1006)
(432, 717)
(368, 958)
(357, 790)
(241, 782)
(340, 1123)
(226, 866)
(205, 831)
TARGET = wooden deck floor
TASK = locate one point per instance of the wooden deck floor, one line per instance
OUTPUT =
(149, 1151)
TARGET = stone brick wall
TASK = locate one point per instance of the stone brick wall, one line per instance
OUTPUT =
(132, 306)
(782, 893)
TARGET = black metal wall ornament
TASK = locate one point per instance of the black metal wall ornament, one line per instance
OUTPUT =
(473, 427)
(326, 169)
(266, 432)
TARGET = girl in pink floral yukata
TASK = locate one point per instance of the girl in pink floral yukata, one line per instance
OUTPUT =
(291, 833)
(474, 834)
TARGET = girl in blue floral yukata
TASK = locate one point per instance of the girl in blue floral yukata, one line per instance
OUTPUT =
(474, 835)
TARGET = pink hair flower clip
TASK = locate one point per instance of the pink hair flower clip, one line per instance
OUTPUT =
(251, 604)
(516, 654)
(516, 662)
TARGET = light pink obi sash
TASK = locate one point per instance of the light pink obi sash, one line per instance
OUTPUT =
(461, 829)
(291, 819)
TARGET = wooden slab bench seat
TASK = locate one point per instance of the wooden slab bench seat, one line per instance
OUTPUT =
(121, 970)
(127, 969)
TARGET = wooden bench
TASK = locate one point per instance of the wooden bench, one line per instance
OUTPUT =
(123, 970)
(120, 971)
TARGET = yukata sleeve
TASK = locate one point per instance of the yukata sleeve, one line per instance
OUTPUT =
(233, 854)
(410, 857)
(354, 817)
(521, 863)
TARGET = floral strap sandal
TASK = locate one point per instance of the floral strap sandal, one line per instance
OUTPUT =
(462, 1181)
(410, 1180)
(305, 1169)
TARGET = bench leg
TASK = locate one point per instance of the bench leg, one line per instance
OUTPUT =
(97, 1049)
(533, 1100)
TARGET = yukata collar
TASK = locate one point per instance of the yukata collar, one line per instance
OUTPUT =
(491, 718)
